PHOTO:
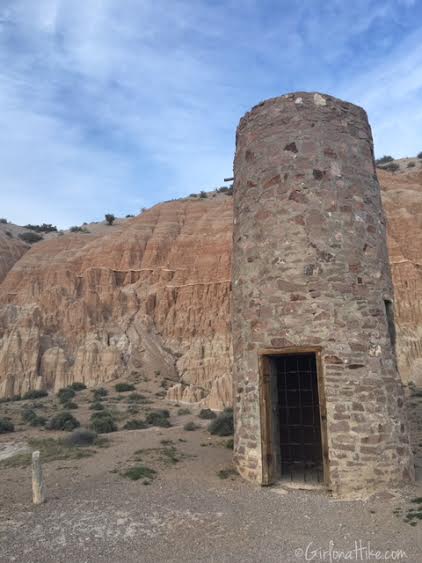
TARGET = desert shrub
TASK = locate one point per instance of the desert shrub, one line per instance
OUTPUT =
(384, 160)
(29, 416)
(222, 425)
(96, 406)
(11, 399)
(227, 473)
(207, 414)
(77, 386)
(100, 393)
(44, 228)
(30, 237)
(9, 234)
(35, 394)
(411, 165)
(159, 418)
(103, 422)
(229, 444)
(75, 229)
(190, 426)
(193, 195)
(81, 437)
(123, 387)
(183, 412)
(136, 398)
(419, 155)
(110, 218)
(203, 194)
(66, 394)
(135, 424)
(392, 167)
(133, 409)
(63, 421)
(6, 425)
(129, 216)
(38, 421)
(3, 220)
(69, 405)
(139, 472)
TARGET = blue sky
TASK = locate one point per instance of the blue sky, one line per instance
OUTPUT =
(114, 105)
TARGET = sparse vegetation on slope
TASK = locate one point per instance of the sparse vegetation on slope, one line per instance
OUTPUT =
(63, 421)
(6, 425)
(223, 425)
(30, 237)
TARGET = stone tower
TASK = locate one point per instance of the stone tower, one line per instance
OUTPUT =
(317, 394)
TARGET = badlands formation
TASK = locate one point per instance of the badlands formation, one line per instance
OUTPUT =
(152, 294)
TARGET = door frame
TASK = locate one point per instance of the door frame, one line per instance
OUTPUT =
(267, 448)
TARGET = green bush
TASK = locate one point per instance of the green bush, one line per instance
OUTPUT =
(229, 444)
(44, 228)
(384, 160)
(96, 406)
(63, 421)
(190, 426)
(207, 414)
(69, 405)
(6, 425)
(203, 194)
(123, 387)
(183, 411)
(82, 437)
(135, 424)
(411, 165)
(110, 218)
(223, 425)
(11, 399)
(419, 155)
(136, 398)
(29, 416)
(66, 394)
(103, 422)
(227, 473)
(392, 167)
(139, 472)
(3, 220)
(77, 386)
(100, 393)
(30, 237)
(159, 418)
(35, 394)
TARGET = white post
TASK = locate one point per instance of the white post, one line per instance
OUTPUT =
(38, 487)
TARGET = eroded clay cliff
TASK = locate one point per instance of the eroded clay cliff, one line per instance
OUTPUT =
(11, 249)
(402, 199)
(153, 293)
(150, 294)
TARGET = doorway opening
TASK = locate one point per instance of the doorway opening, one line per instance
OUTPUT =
(292, 419)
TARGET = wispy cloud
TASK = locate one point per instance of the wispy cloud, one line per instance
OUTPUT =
(110, 106)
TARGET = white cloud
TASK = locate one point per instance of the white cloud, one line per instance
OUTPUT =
(106, 104)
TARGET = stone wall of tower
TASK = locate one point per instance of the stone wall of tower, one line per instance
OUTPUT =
(310, 268)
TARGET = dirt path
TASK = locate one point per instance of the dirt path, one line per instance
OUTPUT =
(186, 514)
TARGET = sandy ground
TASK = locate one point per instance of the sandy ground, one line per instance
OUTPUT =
(187, 513)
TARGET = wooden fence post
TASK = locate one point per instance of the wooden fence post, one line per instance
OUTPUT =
(38, 486)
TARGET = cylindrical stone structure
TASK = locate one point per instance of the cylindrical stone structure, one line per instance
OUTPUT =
(312, 283)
